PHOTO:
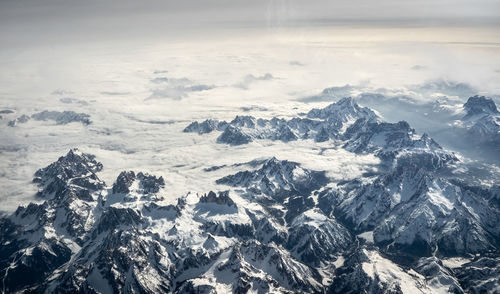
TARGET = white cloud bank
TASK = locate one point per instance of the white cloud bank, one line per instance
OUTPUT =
(112, 81)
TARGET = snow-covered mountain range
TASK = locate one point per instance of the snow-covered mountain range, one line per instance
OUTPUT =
(273, 227)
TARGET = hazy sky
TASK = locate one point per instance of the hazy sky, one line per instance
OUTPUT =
(27, 21)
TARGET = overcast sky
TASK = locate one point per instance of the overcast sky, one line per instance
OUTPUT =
(28, 21)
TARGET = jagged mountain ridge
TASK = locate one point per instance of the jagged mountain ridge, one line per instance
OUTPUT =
(358, 128)
(320, 124)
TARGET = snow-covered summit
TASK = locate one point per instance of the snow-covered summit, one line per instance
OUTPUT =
(480, 125)
(480, 105)
(277, 179)
(345, 110)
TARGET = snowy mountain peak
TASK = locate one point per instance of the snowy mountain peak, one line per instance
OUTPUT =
(205, 127)
(234, 136)
(277, 179)
(273, 165)
(75, 163)
(123, 182)
(344, 110)
(76, 168)
(243, 121)
(145, 183)
(481, 124)
(480, 105)
(222, 198)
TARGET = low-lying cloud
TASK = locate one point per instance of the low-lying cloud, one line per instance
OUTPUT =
(176, 88)
(250, 79)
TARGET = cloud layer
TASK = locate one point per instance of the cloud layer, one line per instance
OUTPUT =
(263, 73)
